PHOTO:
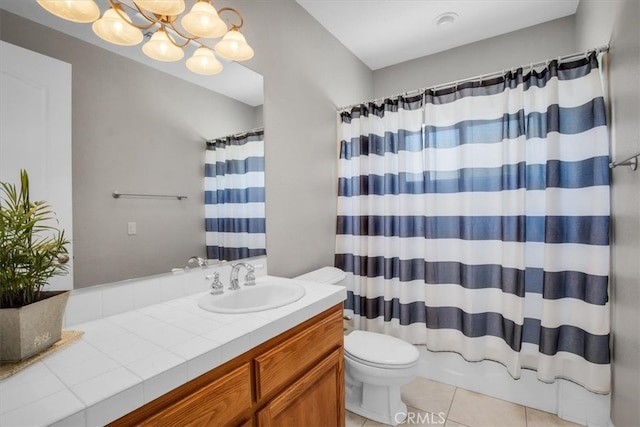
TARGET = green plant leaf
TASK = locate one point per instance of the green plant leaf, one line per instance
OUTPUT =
(29, 245)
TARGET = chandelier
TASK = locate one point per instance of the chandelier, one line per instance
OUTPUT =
(167, 39)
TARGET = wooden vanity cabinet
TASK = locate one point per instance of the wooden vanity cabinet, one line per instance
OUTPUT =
(294, 379)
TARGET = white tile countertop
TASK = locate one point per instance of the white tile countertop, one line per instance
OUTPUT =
(126, 360)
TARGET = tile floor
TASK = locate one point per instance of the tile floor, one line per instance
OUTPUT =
(427, 399)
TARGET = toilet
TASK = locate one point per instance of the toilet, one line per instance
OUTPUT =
(376, 365)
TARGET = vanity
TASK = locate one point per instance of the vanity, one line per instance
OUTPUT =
(296, 378)
(151, 356)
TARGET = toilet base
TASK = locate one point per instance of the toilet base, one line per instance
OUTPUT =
(375, 402)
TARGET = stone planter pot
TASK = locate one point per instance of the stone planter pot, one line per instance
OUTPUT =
(28, 330)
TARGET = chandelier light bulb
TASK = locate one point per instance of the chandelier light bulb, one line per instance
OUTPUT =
(83, 11)
(162, 7)
(203, 21)
(234, 47)
(114, 29)
(204, 62)
(160, 48)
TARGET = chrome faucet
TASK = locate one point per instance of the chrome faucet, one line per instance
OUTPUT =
(197, 260)
(249, 278)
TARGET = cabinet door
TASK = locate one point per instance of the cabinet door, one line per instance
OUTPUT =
(316, 399)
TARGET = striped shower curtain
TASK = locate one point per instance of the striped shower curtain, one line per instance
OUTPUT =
(234, 197)
(475, 220)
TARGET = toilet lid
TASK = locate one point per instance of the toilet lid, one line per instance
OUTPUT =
(379, 350)
(329, 275)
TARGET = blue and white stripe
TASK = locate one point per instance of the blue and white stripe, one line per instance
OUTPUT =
(476, 220)
(234, 197)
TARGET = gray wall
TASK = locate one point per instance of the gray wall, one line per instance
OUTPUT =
(135, 129)
(533, 44)
(307, 74)
(258, 120)
(615, 22)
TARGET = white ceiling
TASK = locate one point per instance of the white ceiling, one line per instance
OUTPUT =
(383, 33)
(235, 80)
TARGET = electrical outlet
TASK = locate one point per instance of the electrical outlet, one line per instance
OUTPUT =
(131, 228)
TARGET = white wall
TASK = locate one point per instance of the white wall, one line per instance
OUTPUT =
(616, 22)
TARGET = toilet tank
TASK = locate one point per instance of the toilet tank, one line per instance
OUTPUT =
(328, 275)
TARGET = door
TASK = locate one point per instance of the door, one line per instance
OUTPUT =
(35, 133)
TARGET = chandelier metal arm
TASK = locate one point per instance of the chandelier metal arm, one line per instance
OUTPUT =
(173, 28)
(230, 9)
(119, 8)
(152, 19)
(161, 20)
(184, 36)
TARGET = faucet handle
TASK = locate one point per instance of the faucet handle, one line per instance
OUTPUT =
(249, 279)
(201, 262)
(216, 286)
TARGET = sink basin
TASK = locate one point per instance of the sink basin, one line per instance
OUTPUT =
(247, 299)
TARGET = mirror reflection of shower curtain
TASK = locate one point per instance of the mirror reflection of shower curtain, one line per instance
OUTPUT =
(234, 197)
(475, 220)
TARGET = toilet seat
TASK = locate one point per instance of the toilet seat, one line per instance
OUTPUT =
(378, 365)
(379, 350)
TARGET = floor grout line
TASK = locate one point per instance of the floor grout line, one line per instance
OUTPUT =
(455, 391)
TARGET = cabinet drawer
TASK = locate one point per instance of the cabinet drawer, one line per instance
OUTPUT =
(214, 404)
(286, 361)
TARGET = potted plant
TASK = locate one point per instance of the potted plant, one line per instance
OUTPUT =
(32, 250)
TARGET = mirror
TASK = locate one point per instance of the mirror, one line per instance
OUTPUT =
(136, 129)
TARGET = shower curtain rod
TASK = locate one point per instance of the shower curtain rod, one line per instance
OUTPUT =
(258, 129)
(481, 77)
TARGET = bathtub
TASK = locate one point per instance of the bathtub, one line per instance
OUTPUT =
(569, 401)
